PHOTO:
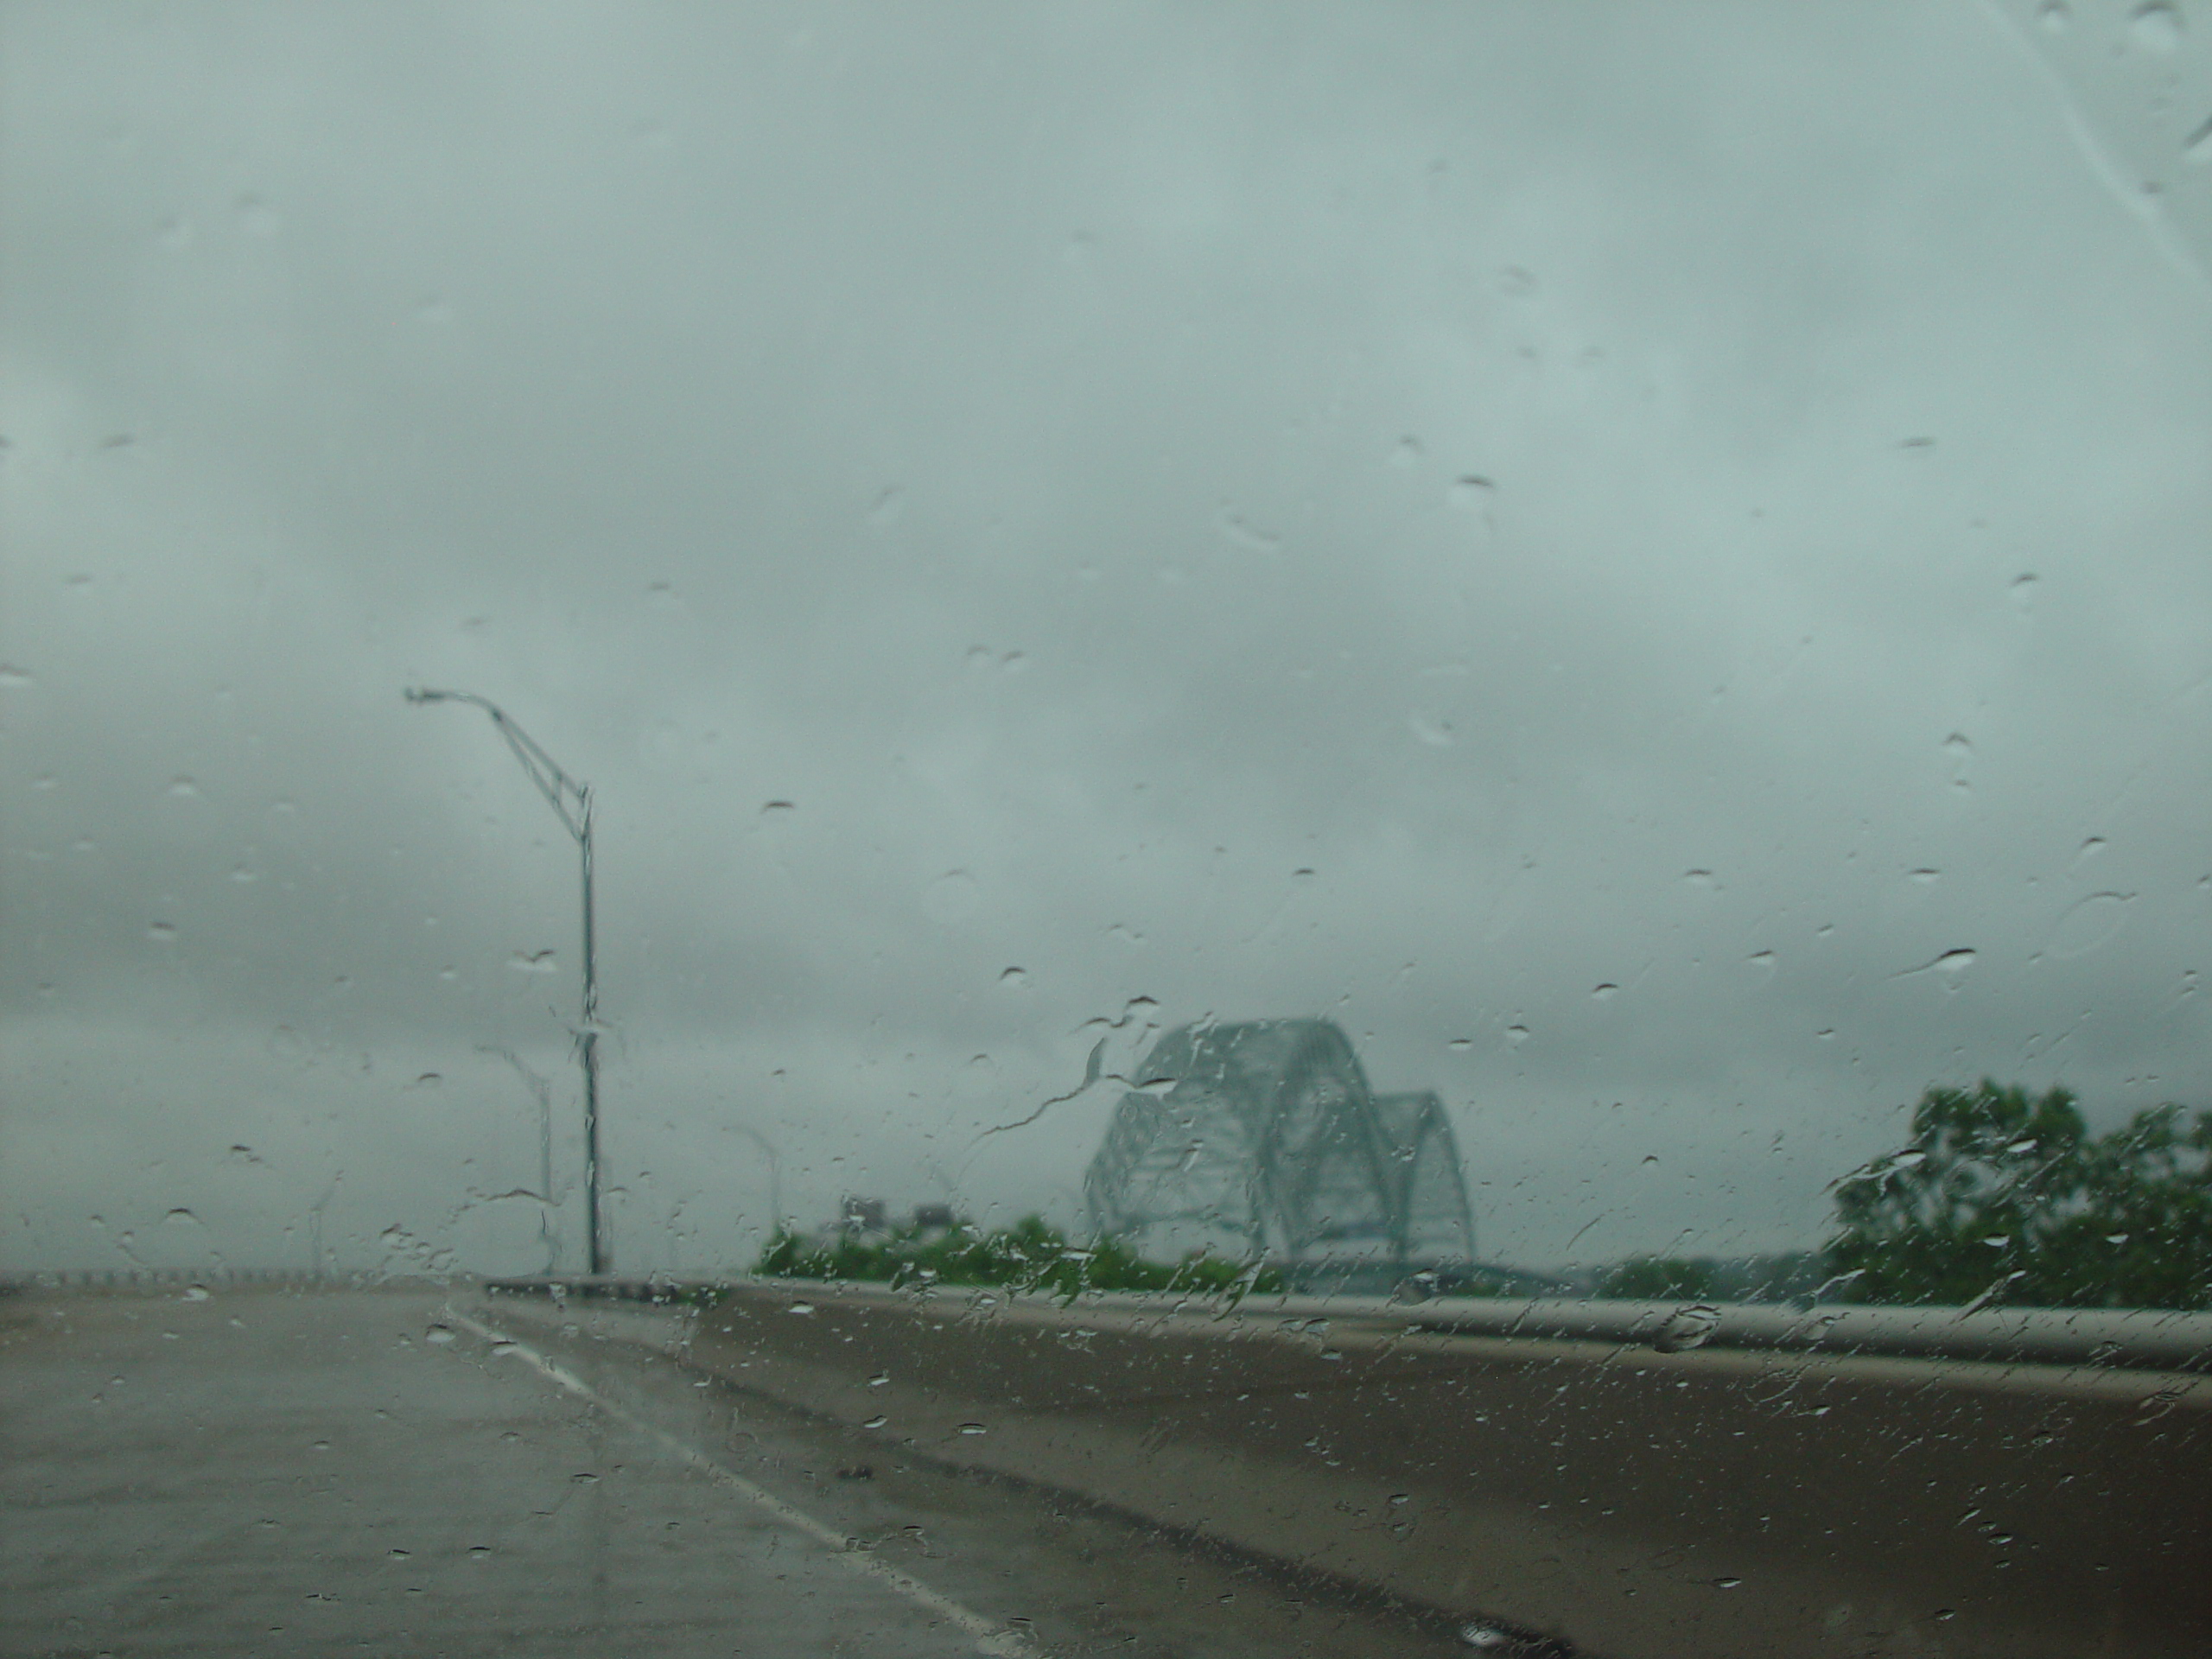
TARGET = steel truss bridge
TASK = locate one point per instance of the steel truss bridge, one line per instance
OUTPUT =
(1263, 1139)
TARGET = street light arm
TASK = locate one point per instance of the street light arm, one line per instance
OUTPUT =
(572, 801)
(569, 798)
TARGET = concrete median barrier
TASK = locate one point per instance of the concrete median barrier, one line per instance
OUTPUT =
(1594, 1492)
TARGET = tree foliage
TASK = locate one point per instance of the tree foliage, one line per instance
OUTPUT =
(1658, 1279)
(1029, 1255)
(2003, 1196)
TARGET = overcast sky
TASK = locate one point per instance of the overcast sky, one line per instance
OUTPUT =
(1651, 562)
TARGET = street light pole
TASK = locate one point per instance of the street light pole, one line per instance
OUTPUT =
(572, 801)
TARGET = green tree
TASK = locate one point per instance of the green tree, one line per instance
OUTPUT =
(1658, 1279)
(2145, 1239)
(1971, 1205)
(2002, 1196)
(1032, 1254)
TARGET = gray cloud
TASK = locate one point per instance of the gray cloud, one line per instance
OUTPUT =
(1592, 557)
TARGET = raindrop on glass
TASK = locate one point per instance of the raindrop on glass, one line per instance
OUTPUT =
(1688, 1328)
(952, 897)
(2156, 28)
(2197, 147)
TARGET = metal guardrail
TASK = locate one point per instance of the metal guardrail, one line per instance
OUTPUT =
(2127, 1338)
(127, 1279)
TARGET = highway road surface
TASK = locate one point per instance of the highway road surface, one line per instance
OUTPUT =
(275, 1471)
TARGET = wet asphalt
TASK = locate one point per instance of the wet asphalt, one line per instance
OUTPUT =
(279, 1471)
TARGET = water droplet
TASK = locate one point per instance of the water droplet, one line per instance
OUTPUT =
(2156, 28)
(1015, 979)
(1764, 961)
(952, 897)
(1517, 1034)
(1241, 532)
(1461, 1045)
(195, 1294)
(161, 932)
(973, 1428)
(875, 1423)
(1923, 442)
(439, 1335)
(1407, 452)
(1606, 992)
(2089, 925)
(774, 812)
(258, 218)
(244, 877)
(800, 1307)
(1725, 1583)
(1688, 1328)
(1698, 878)
(11, 677)
(1433, 730)
(1470, 492)
(1923, 876)
(889, 506)
(879, 1379)
(2197, 147)
(536, 962)
(1960, 750)
(183, 788)
(1950, 965)
(1487, 1638)
(2055, 17)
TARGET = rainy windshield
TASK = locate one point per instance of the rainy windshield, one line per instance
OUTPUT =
(1246, 828)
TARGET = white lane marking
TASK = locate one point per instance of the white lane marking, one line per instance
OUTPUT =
(991, 1637)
